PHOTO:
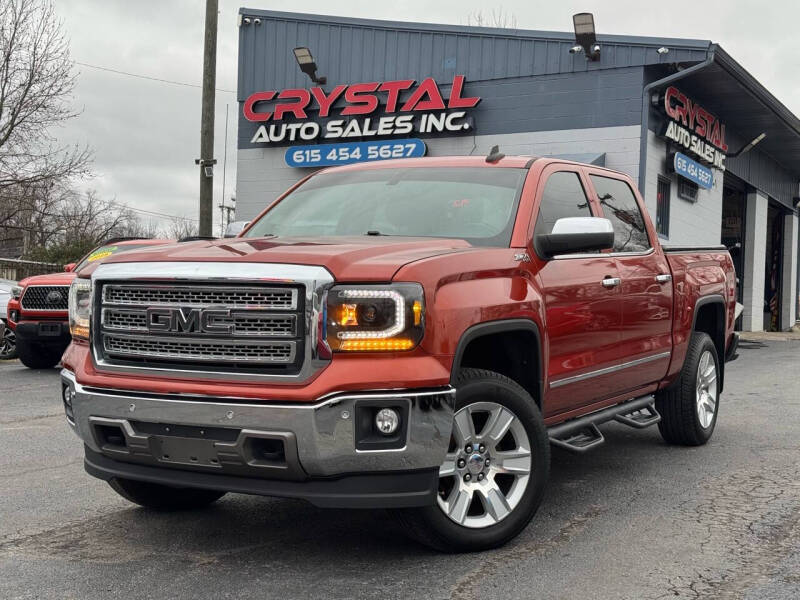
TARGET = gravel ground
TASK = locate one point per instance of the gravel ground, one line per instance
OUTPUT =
(632, 519)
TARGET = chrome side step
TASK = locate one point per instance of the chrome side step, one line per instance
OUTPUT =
(582, 434)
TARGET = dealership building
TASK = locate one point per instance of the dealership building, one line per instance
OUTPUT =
(715, 155)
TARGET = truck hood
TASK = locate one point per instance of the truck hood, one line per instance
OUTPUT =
(51, 279)
(357, 258)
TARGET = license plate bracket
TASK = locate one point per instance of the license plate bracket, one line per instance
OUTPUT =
(184, 451)
(50, 329)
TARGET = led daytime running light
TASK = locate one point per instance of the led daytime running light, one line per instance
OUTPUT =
(399, 318)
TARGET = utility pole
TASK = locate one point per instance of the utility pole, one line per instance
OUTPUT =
(225, 215)
(206, 160)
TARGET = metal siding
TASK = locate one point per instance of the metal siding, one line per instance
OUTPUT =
(352, 50)
(762, 172)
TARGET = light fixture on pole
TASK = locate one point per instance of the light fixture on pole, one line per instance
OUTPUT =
(307, 65)
(585, 37)
(748, 146)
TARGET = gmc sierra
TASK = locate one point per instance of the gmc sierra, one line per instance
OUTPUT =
(409, 334)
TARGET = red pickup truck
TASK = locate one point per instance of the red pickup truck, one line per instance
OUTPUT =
(37, 309)
(408, 334)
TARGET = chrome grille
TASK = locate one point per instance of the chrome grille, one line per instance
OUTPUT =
(247, 323)
(182, 295)
(45, 297)
(188, 325)
(200, 350)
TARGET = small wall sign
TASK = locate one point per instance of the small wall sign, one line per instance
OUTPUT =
(693, 171)
(326, 155)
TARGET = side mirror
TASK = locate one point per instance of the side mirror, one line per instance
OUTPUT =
(235, 228)
(69, 267)
(575, 234)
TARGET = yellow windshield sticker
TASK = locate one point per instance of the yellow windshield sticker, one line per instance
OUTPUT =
(101, 253)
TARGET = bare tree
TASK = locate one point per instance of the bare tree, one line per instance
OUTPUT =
(65, 224)
(36, 85)
(496, 18)
(179, 228)
(139, 228)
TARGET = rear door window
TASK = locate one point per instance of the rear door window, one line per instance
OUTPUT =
(620, 207)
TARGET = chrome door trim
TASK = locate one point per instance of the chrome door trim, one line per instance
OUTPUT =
(647, 252)
(607, 370)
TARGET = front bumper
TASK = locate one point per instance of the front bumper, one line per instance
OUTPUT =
(323, 452)
(47, 333)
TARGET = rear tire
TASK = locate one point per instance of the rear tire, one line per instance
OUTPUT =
(162, 497)
(38, 356)
(483, 506)
(689, 407)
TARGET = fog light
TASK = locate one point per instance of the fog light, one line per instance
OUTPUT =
(387, 420)
(68, 394)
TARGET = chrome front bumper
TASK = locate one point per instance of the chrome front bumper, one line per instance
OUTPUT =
(262, 440)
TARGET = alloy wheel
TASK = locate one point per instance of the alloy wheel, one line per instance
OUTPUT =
(8, 343)
(706, 396)
(487, 466)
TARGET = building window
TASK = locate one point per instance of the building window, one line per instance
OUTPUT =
(662, 207)
(687, 189)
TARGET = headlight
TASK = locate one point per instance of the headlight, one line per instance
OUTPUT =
(16, 291)
(375, 318)
(80, 308)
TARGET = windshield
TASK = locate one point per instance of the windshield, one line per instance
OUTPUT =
(105, 252)
(477, 205)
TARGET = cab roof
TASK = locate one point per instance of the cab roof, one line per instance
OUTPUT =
(472, 162)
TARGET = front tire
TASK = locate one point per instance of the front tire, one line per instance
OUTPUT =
(38, 356)
(690, 406)
(163, 497)
(489, 494)
(8, 345)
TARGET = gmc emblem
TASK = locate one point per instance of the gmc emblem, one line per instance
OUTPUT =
(188, 320)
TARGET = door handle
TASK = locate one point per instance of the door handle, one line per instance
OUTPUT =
(663, 278)
(610, 282)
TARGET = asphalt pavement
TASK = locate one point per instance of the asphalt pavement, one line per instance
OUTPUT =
(633, 519)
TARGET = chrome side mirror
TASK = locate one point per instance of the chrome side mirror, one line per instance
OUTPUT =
(575, 234)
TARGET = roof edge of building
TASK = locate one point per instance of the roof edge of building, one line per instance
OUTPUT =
(736, 70)
(473, 30)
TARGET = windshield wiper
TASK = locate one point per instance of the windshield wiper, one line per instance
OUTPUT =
(374, 232)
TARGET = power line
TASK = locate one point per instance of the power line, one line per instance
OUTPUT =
(192, 85)
(151, 212)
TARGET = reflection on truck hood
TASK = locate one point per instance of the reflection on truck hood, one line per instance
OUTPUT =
(363, 258)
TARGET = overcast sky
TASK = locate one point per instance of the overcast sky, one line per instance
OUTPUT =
(146, 134)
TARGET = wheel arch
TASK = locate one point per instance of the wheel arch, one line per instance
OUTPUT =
(709, 317)
(501, 346)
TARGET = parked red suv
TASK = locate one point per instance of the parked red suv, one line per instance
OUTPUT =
(408, 334)
(37, 310)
